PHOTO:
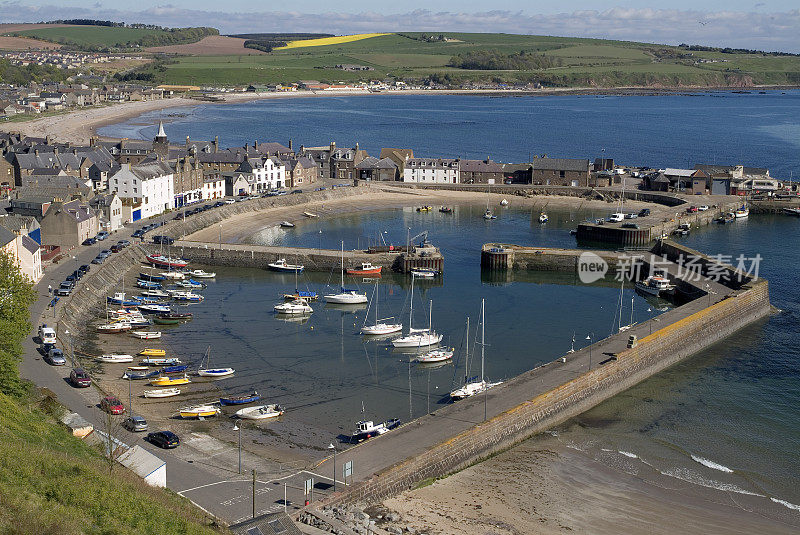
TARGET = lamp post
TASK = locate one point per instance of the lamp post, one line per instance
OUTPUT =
(590, 337)
(71, 352)
(237, 427)
(332, 447)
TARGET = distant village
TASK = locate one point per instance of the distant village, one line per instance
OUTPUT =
(62, 59)
(62, 195)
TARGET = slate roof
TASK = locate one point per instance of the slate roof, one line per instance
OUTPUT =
(29, 244)
(561, 164)
(724, 169)
(81, 212)
(481, 166)
(6, 236)
(16, 222)
(370, 162)
(146, 171)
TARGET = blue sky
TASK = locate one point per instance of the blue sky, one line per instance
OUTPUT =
(764, 25)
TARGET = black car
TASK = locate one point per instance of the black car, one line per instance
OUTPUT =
(218, 204)
(84, 268)
(123, 243)
(297, 191)
(71, 278)
(166, 240)
(163, 439)
(77, 274)
(89, 241)
(115, 248)
(644, 212)
(630, 225)
(137, 234)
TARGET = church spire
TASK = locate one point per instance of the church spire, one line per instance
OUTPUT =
(161, 132)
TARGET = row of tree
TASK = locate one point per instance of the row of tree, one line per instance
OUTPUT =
(728, 50)
(494, 60)
(16, 296)
(18, 75)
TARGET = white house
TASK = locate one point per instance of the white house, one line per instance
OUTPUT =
(213, 188)
(147, 185)
(268, 173)
(431, 171)
(110, 207)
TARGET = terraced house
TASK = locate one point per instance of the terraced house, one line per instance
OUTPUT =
(145, 189)
(432, 171)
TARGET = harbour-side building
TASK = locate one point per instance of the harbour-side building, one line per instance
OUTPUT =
(147, 187)
(432, 171)
(560, 172)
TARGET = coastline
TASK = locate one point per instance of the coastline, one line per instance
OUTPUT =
(79, 125)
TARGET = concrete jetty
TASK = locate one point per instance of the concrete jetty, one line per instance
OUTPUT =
(462, 433)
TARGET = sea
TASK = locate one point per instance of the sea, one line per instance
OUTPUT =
(726, 419)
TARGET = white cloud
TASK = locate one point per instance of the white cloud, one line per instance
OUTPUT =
(766, 31)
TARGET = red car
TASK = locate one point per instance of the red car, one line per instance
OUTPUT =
(112, 405)
(692, 209)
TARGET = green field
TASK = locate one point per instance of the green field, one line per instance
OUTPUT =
(577, 62)
(101, 37)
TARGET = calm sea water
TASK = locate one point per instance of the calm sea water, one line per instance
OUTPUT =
(728, 418)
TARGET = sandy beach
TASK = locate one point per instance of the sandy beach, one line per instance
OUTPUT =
(543, 487)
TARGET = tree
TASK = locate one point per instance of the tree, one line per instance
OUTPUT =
(16, 296)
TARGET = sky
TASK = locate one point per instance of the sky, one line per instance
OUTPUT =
(757, 24)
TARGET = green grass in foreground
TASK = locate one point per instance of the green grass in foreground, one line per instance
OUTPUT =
(53, 483)
(583, 62)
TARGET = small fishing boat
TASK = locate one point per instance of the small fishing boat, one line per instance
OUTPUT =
(504, 203)
(155, 294)
(366, 269)
(792, 211)
(186, 296)
(114, 358)
(180, 368)
(137, 375)
(190, 284)
(119, 299)
(655, 285)
(199, 411)
(148, 285)
(446, 210)
(166, 261)
(366, 429)
(543, 218)
(162, 393)
(174, 275)
(310, 214)
(146, 335)
(152, 278)
(742, 212)
(160, 361)
(111, 328)
(163, 380)
(153, 308)
(286, 224)
(240, 400)
(489, 215)
(424, 273)
(296, 307)
(152, 352)
(424, 209)
(200, 274)
(260, 412)
(164, 319)
(437, 355)
(281, 265)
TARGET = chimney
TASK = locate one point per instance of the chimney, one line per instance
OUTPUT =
(356, 146)
(255, 144)
(36, 152)
(290, 144)
(302, 149)
(187, 142)
(333, 146)
(75, 152)
(55, 151)
(216, 143)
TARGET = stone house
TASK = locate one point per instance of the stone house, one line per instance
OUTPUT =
(399, 157)
(237, 183)
(560, 172)
(481, 172)
(68, 224)
(300, 171)
(372, 168)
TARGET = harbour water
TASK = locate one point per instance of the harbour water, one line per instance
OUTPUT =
(725, 419)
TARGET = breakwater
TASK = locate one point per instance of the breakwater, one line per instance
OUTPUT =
(548, 395)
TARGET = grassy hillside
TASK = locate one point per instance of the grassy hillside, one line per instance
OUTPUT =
(418, 57)
(102, 37)
(52, 482)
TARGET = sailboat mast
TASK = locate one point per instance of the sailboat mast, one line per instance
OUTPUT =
(483, 329)
(466, 367)
(342, 265)
(430, 316)
(411, 309)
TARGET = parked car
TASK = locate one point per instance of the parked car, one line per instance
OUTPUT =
(85, 268)
(691, 209)
(631, 216)
(644, 212)
(115, 248)
(80, 378)
(135, 424)
(102, 235)
(47, 334)
(112, 405)
(64, 289)
(71, 278)
(702, 208)
(229, 201)
(89, 241)
(297, 191)
(99, 259)
(163, 439)
(137, 233)
(165, 240)
(219, 203)
(56, 357)
(123, 243)
(630, 225)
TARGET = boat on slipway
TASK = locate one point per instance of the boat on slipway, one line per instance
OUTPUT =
(138, 375)
(155, 361)
(260, 412)
(162, 393)
(146, 335)
(366, 429)
(114, 358)
(164, 380)
(112, 328)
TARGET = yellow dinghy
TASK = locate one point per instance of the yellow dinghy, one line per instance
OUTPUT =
(152, 353)
(169, 381)
(199, 411)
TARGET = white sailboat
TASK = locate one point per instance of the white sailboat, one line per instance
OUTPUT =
(345, 296)
(418, 337)
(380, 327)
(208, 371)
(476, 387)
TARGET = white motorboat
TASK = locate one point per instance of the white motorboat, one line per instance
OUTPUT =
(418, 337)
(186, 296)
(424, 273)
(162, 393)
(472, 387)
(287, 224)
(146, 335)
(200, 274)
(282, 265)
(116, 327)
(504, 203)
(155, 294)
(543, 218)
(437, 355)
(174, 275)
(154, 309)
(742, 212)
(380, 327)
(114, 358)
(346, 296)
(367, 429)
(655, 285)
(260, 412)
(297, 307)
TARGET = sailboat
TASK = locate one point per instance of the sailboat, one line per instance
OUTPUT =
(471, 388)
(488, 213)
(208, 371)
(345, 296)
(305, 296)
(380, 327)
(418, 337)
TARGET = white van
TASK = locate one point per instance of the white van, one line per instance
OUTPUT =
(616, 218)
(47, 334)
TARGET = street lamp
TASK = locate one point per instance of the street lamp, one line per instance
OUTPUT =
(332, 447)
(71, 352)
(236, 427)
(590, 337)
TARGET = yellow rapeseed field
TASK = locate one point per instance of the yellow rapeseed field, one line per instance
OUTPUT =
(325, 41)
